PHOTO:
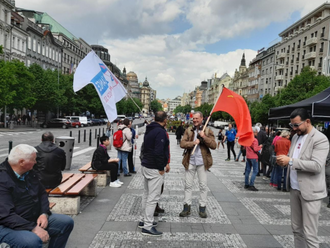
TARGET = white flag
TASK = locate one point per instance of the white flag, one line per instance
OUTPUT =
(92, 70)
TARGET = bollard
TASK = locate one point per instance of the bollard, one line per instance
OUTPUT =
(102, 131)
(99, 131)
(79, 136)
(85, 135)
(70, 133)
(95, 132)
(98, 141)
(10, 145)
(90, 137)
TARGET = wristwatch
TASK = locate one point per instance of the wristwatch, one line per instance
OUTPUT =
(45, 215)
(291, 162)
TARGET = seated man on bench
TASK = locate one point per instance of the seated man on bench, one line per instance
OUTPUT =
(102, 161)
(25, 218)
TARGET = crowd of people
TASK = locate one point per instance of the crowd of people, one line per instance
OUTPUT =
(297, 162)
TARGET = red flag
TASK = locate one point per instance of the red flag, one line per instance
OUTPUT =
(236, 106)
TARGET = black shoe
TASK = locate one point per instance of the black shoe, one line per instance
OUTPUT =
(208, 170)
(133, 172)
(127, 175)
(141, 224)
(252, 188)
(156, 214)
(284, 190)
(228, 159)
(279, 189)
(152, 232)
(246, 186)
(258, 175)
(328, 206)
(159, 209)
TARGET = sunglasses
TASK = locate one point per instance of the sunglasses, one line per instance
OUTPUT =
(295, 125)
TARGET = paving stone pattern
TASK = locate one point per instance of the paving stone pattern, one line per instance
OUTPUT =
(236, 217)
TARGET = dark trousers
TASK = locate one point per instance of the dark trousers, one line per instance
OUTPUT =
(130, 160)
(113, 168)
(230, 147)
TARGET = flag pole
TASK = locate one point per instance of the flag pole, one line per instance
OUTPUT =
(208, 119)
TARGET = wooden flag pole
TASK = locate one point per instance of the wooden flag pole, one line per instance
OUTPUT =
(208, 119)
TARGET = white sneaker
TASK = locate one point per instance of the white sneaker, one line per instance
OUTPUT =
(118, 181)
(114, 184)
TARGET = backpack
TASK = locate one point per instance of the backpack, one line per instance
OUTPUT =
(118, 138)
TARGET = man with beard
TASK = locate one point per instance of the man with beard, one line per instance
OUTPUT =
(305, 177)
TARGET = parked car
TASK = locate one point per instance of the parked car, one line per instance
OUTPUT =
(56, 122)
(89, 122)
(75, 123)
(97, 122)
(81, 119)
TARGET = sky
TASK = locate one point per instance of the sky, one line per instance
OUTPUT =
(176, 44)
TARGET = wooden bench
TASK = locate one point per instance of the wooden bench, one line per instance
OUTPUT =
(51, 205)
(103, 175)
(67, 195)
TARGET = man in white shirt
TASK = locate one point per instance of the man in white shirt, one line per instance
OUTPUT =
(305, 177)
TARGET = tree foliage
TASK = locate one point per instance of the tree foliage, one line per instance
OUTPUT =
(155, 106)
(127, 106)
(182, 109)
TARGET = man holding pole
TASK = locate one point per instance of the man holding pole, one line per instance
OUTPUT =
(197, 161)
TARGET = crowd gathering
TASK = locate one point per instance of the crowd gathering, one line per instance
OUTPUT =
(295, 161)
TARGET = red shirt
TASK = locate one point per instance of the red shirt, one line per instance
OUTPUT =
(251, 151)
(282, 146)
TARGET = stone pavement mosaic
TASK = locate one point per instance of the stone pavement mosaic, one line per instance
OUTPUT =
(136, 239)
(277, 211)
(236, 217)
(172, 183)
(287, 241)
(128, 208)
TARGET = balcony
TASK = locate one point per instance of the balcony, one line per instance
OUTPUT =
(311, 55)
(277, 88)
(311, 41)
(281, 55)
(279, 77)
(280, 66)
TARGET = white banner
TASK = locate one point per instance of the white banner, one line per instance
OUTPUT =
(92, 70)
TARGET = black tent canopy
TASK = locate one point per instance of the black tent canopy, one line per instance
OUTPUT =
(318, 105)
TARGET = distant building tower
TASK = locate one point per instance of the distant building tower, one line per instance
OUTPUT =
(145, 95)
(133, 85)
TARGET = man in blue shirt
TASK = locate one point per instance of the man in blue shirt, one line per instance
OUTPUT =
(230, 136)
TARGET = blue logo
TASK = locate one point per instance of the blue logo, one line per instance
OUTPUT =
(99, 80)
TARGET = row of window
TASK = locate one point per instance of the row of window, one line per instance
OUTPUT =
(43, 49)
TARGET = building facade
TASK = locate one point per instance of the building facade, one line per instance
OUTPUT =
(267, 80)
(240, 80)
(304, 43)
(6, 6)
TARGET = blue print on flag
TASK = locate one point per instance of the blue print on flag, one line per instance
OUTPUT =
(100, 82)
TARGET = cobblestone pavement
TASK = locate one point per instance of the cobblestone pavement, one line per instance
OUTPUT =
(236, 217)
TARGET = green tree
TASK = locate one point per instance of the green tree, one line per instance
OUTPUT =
(155, 106)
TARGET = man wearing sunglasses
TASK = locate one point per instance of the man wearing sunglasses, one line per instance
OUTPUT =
(305, 177)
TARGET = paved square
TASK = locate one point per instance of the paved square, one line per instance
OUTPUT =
(237, 186)
(277, 211)
(128, 208)
(172, 183)
(169, 240)
(287, 241)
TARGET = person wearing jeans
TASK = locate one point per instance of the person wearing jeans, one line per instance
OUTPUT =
(230, 136)
(126, 147)
(252, 162)
(282, 147)
(25, 218)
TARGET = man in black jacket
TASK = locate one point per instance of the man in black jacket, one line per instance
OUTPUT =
(50, 161)
(25, 218)
(154, 164)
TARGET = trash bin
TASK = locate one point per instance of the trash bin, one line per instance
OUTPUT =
(66, 143)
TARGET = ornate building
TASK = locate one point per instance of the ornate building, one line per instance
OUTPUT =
(133, 87)
(241, 79)
(145, 96)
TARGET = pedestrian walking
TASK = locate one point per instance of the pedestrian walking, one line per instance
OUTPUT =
(252, 162)
(220, 139)
(179, 132)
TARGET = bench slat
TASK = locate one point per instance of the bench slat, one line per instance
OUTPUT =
(51, 205)
(86, 167)
(64, 187)
(75, 190)
(66, 176)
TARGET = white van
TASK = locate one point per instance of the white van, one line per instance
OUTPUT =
(82, 119)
